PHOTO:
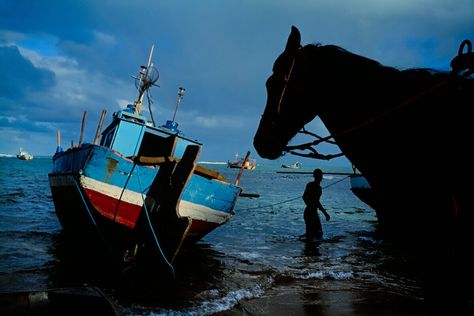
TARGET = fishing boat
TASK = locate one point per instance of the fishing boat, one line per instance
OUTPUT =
(139, 190)
(240, 162)
(295, 165)
(24, 155)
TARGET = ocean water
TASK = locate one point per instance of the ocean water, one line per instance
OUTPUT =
(253, 265)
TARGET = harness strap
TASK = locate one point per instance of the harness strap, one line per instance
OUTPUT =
(365, 123)
(372, 120)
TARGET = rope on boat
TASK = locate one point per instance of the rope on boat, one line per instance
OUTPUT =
(289, 200)
(85, 204)
(101, 236)
(152, 229)
(150, 102)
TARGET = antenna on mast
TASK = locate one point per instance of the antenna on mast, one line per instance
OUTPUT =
(171, 124)
(181, 91)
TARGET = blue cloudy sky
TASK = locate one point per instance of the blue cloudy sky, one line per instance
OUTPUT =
(60, 58)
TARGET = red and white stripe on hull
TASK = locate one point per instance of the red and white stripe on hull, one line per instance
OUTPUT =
(124, 206)
(121, 206)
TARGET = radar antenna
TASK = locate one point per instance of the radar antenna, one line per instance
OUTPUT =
(146, 78)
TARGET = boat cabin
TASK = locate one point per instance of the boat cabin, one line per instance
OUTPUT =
(131, 135)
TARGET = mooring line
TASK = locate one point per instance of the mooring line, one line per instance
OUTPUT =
(289, 200)
(92, 219)
(152, 229)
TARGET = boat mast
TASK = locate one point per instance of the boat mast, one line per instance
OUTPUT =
(144, 82)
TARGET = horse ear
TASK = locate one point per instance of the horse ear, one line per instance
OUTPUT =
(294, 41)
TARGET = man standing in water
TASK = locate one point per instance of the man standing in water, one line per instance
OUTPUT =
(311, 197)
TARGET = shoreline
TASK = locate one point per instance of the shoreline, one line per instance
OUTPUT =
(330, 297)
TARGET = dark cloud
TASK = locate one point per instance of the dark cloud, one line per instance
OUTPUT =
(221, 52)
(19, 75)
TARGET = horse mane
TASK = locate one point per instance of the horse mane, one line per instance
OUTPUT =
(366, 64)
(330, 50)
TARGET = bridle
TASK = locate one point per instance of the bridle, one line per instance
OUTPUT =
(283, 91)
(287, 79)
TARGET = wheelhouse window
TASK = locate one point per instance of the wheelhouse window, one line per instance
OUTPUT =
(107, 139)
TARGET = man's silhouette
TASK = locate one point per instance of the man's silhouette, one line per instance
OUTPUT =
(311, 197)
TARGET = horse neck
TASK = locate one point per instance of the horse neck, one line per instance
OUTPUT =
(352, 93)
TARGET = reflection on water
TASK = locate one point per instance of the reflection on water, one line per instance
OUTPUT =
(311, 249)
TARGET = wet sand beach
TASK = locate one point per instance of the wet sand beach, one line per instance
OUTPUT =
(323, 298)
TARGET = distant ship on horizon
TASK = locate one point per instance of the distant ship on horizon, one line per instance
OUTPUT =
(246, 163)
(24, 155)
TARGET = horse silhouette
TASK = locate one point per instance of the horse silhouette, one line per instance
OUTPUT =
(409, 132)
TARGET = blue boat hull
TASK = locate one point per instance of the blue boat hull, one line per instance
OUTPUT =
(98, 192)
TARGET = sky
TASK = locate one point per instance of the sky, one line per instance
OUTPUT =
(60, 58)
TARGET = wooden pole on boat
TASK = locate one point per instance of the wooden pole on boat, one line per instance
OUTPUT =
(99, 127)
(82, 128)
(242, 168)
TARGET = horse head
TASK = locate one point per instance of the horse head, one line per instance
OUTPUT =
(282, 118)
(314, 80)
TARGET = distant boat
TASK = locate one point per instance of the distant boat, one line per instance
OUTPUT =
(239, 162)
(140, 192)
(295, 165)
(24, 155)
